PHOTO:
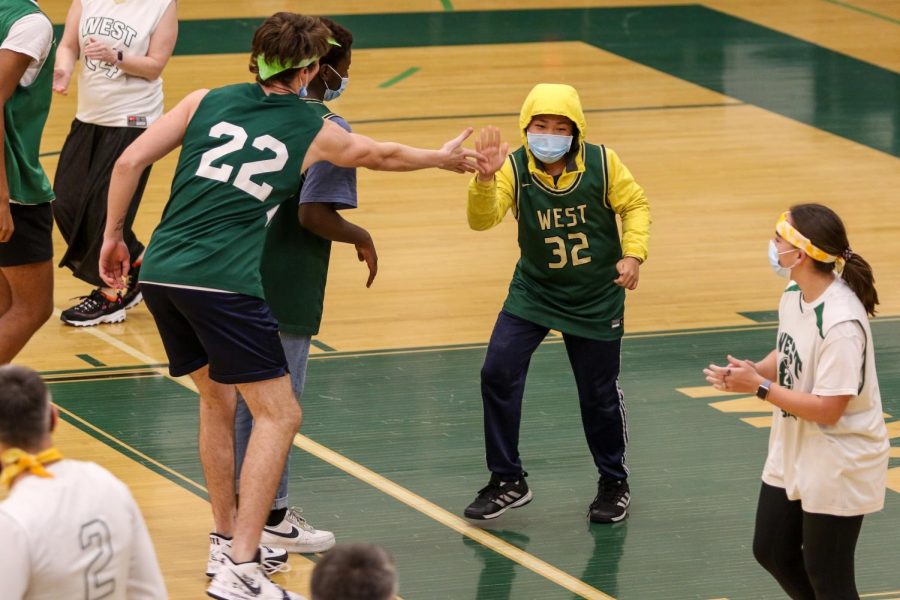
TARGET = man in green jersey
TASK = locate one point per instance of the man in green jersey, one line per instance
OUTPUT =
(294, 270)
(26, 219)
(572, 275)
(243, 148)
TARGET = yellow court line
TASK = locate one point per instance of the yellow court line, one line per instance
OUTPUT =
(529, 561)
(185, 380)
(448, 519)
(135, 451)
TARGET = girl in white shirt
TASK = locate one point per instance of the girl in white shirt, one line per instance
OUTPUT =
(828, 449)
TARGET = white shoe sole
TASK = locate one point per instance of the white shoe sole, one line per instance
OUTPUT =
(116, 317)
(520, 502)
(135, 301)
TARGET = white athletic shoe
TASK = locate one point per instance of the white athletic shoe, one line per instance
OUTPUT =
(245, 581)
(272, 560)
(294, 534)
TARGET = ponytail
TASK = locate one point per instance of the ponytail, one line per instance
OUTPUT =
(858, 275)
(826, 231)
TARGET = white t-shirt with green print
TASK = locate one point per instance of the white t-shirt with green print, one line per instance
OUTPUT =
(825, 348)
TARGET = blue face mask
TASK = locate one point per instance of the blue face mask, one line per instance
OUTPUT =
(331, 94)
(548, 148)
(775, 260)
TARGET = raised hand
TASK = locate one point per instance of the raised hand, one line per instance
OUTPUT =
(459, 159)
(494, 151)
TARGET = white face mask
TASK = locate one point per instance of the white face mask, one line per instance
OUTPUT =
(775, 258)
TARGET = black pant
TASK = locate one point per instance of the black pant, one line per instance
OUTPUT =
(809, 554)
(596, 368)
(82, 185)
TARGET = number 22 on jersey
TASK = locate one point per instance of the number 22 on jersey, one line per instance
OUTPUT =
(238, 140)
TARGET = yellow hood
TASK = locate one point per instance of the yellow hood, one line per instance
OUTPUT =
(554, 99)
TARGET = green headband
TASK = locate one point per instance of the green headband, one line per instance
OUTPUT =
(274, 67)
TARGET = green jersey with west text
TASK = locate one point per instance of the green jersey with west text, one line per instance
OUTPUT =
(569, 246)
(240, 160)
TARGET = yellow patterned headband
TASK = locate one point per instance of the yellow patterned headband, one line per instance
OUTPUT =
(16, 461)
(790, 234)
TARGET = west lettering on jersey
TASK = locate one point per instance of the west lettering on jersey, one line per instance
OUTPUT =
(561, 217)
(789, 365)
(113, 28)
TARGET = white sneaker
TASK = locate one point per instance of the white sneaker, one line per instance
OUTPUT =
(245, 581)
(273, 560)
(294, 534)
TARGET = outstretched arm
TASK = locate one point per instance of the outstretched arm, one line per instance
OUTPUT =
(353, 150)
(160, 138)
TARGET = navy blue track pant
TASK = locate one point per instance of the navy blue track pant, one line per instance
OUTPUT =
(596, 367)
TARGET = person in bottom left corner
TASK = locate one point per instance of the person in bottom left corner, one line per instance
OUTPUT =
(70, 529)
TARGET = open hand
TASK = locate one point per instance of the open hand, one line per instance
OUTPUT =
(494, 151)
(457, 158)
(95, 50)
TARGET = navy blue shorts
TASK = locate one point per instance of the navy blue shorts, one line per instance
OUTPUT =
(235, 334)
(32, 238)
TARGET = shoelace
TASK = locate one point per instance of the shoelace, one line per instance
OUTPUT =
(609, 493)
(293, 516)
(270, 567)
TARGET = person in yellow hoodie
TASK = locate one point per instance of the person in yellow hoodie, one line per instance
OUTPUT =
(572, 275)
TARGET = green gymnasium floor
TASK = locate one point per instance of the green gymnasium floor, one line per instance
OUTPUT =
(414, 417)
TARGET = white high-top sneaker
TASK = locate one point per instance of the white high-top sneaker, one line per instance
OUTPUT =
(245, 581)
(272, 560)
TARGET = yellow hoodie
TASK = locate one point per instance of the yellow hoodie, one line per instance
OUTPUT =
(489, 202)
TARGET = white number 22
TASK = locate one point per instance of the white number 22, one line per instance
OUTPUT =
(238, 139)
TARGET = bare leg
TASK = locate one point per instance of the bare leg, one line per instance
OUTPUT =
(276, 416)
(217, 403)
(26, 302)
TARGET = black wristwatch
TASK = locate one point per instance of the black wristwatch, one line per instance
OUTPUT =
(120, 56)
(762, 392)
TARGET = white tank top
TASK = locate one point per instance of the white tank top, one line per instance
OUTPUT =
(106, 94)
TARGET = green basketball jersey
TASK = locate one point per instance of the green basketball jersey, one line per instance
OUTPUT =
(295, 266)
(240, 160)
(569, 246)
(25, 113)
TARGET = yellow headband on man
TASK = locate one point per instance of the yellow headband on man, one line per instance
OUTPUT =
(16, 461)
(793, 237)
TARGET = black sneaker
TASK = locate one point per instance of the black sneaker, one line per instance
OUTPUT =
(95, 309)
(611, 503)
(497, 497)
(132, 295)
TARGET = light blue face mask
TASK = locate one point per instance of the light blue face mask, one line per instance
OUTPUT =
(331, 94)
(548, 148)
(775, 260)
